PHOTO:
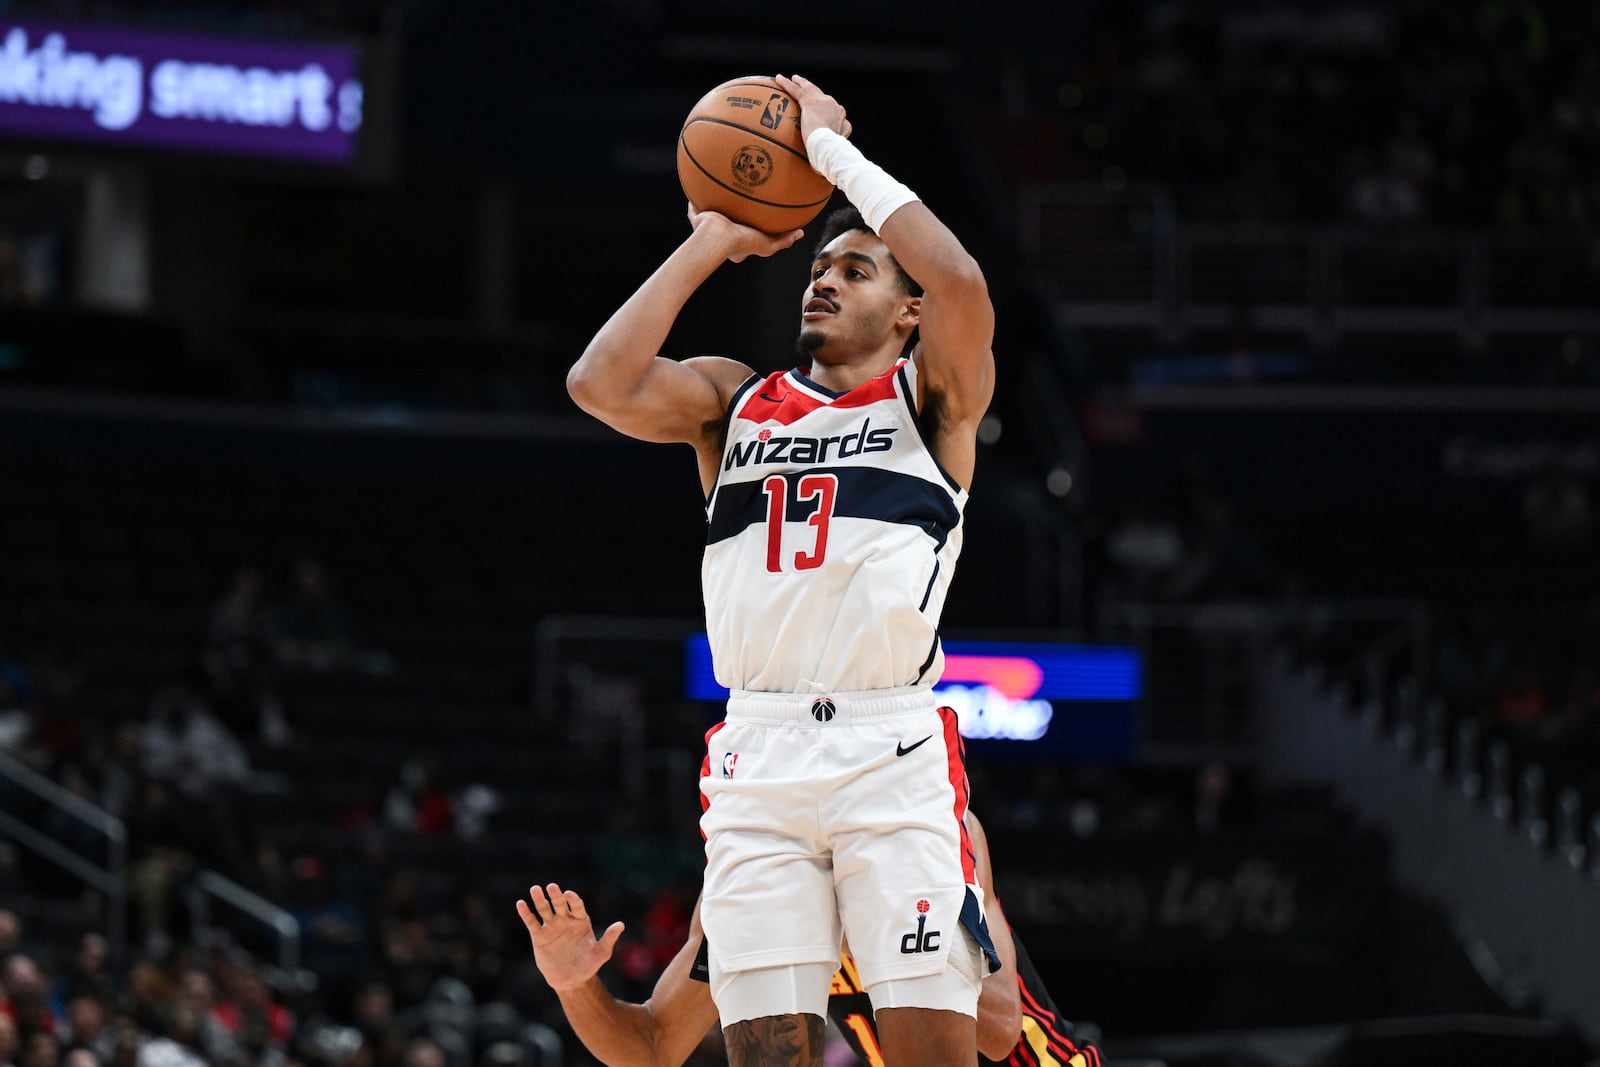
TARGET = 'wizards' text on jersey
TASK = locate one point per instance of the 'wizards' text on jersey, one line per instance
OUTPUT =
(833, 536)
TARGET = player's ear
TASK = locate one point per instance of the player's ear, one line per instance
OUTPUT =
(911, 310)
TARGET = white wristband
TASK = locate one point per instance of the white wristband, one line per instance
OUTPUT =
(865, 184)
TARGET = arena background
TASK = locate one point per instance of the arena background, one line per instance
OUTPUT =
(328, 624)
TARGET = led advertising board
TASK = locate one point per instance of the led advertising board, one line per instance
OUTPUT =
(291, 101)
(1071, 699)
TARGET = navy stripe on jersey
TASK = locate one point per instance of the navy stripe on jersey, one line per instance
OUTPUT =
(933, 651)
(928, 592)
(805, 381)
(972, 918)
(727, 417)
(922, 434)
(863, 493)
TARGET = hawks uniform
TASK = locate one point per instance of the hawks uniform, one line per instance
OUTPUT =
(1047, 1039)
(832, 536)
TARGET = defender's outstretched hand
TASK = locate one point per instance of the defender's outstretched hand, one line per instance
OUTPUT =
(564, 945)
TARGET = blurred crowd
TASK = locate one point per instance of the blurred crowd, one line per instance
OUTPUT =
(1473, 114)
(387, 970)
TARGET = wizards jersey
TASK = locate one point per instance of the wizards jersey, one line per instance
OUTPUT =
(833, 536)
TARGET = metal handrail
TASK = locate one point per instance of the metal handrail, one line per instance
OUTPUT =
(110, 879)
(208, 883)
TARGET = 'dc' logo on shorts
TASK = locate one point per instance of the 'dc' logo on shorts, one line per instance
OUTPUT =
(822, 709)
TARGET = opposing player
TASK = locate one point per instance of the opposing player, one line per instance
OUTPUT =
(834, 789)
(1018, 1023)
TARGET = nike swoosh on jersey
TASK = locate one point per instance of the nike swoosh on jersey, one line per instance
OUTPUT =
(773, 399)
(902, 748)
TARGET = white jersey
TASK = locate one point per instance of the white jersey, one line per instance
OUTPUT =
(833, 537)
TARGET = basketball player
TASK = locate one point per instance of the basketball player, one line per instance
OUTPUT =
(833, 790)
(1018, 1023)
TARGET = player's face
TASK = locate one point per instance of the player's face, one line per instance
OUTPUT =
(853, 299)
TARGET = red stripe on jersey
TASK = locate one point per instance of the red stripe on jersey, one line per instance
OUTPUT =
(775, 400)
(705, 770)
(870, 391)
(1053, 1037)
(778, 401)
(957, 762)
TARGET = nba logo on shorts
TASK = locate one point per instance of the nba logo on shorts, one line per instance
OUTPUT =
(728, 760)
(822, 709)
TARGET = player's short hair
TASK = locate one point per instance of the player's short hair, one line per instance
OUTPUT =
(847, 218)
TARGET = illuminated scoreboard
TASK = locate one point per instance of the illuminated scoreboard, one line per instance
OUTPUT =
(1067, 699)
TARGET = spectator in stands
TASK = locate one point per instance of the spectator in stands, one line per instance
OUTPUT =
(41, 1048)
(405, 943)
(16, 721)
(1471, 657)
(10, 934)
(81, 1057)
(423, 1052)
(186, 745)
(59, 730)
(333, 932)
(1520, 706)
(197, 991)
(250, 702)
(116, 764)
(17, 679)
(249, 1011)
(88, 973)
(149, 997)
(10, 1045)
(64, 826)
(163, 835)
(176, 1042)
(1556, 511)
(125, 1042)
(373, 1011)
(417, 802)
(473, 944)
(25, 997)
(1569, 739)
(237, 631)
(1145, 547)
(88, 1026)
(312, 628)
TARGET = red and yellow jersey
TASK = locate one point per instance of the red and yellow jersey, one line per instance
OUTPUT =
(1047, 1039)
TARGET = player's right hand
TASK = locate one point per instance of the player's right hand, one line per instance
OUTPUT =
(738, 241)
(564, 945)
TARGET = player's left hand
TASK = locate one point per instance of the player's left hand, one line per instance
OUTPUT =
(564, 945)
(817, 108)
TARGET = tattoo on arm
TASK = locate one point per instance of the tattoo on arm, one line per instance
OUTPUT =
(776, 1041)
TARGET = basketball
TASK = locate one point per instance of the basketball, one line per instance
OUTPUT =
(741, 154)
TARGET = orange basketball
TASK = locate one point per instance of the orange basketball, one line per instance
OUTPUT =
(741, 154)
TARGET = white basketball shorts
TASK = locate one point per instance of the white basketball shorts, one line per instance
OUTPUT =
(839, 813)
